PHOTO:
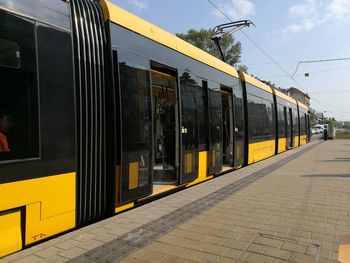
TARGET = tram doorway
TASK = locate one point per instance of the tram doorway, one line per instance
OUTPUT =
(227, 127)
(165, 126)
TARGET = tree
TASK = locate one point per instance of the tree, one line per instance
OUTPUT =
(202, 39)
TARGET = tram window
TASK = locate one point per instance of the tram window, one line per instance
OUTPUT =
(19, 127)
(260, 114)
(9, 53)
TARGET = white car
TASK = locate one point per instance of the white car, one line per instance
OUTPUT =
(318, 128)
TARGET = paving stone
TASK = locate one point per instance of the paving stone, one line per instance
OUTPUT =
(215, 249)
(84, 237)
(72, 253)
(173, 259)
(270, 242)
(49, 252)
(232, 253)
(149, 255)
(132, 260)
(58, 259)
(21, 254)
(254, 258)
(29, 259)
(90, 244)
(215, 259)
(256, 248)
(297, 257)
(68, 244)
(294, 247)
(235, 244)
(277, 253)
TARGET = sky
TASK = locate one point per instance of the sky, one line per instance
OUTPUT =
(285, 32)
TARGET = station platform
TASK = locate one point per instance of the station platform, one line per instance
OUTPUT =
(294, 207)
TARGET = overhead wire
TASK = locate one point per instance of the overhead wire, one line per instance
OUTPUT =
(266, 54)
(310, 72)
(330, 91)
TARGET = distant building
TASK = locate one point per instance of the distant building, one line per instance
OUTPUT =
(298, 95)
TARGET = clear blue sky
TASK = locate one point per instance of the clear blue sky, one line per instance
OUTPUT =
(288, 31)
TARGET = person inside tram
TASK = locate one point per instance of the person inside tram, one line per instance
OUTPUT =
(6, 123)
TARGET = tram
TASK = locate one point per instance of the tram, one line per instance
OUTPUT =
(101, 110)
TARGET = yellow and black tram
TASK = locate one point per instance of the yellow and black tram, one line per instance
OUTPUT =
(100, 111)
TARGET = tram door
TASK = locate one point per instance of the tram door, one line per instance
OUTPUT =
(227, 127)
(290, 129)
(165, 125)
(308, 132)
(215, 128)
(134, 116)
(189, 127)
(238, 127)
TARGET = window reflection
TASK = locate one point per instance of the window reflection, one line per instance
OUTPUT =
(18, 90)
(189, 129)
(136, 120)
(260, 114)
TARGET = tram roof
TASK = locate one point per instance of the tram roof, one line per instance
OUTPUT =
(303, 105)
(257, 83)
(136, 24)
(284, 96)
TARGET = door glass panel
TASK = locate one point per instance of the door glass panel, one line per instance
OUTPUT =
(215, 128)
(296, 122)
(288, 127)
(302, 124)
(291, 122)
(136, 112)
(202, 101)
(282, 122)
(227, 128)
(239, 135)
(189, 127)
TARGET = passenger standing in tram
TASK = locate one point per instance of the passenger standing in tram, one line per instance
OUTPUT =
(6, 123)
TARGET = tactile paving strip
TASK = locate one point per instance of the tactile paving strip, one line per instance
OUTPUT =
(121, 247)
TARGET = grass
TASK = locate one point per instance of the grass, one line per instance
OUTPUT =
(343, 135)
